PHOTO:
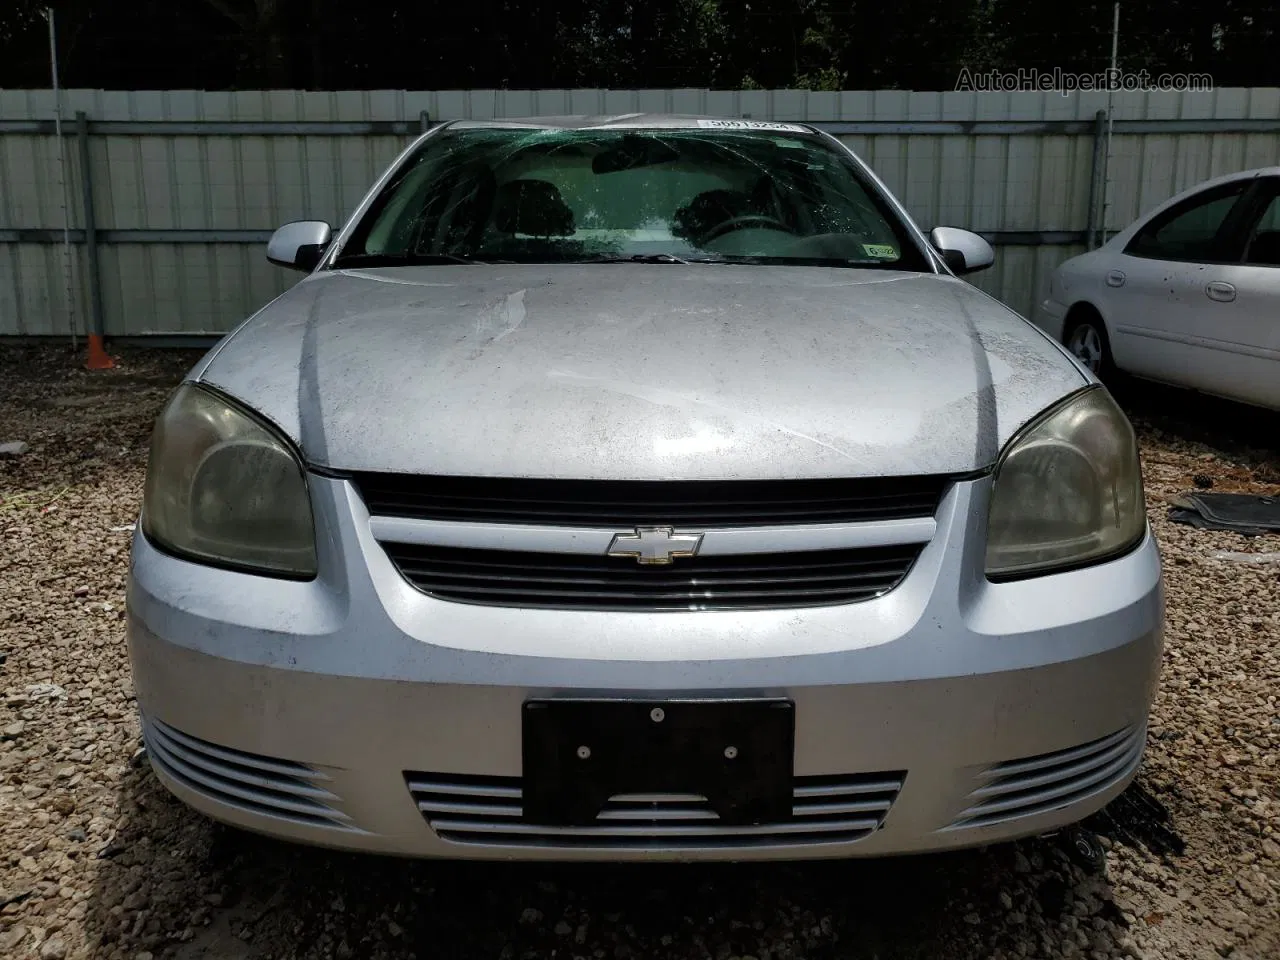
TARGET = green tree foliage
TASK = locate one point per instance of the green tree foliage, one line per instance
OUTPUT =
(430, 44)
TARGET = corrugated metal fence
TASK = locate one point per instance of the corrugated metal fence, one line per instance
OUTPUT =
(185, 186)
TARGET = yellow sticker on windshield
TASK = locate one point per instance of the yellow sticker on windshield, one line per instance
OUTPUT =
(881, 251)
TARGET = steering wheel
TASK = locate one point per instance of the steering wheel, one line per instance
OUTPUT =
(745, 222)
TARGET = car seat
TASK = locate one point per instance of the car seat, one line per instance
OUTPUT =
(533, 208)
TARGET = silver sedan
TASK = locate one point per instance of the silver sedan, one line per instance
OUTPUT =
(635, 488)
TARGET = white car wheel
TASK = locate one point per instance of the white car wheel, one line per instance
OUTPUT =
(1087, 342)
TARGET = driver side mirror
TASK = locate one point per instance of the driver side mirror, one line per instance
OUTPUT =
(299, 245)
(963, 251)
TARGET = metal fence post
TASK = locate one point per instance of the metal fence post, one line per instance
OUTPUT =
(1095, 177)
(98, 358)
(424, 120)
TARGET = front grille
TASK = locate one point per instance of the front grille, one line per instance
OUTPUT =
(488, 811)
(519, 579)
(261, 785)
(1036, 785)
(702, 504)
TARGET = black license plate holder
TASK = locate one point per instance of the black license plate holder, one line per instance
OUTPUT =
(577, 754)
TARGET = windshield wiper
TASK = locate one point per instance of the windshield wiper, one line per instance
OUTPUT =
(639, 258)
(762, 260)
(402, 260)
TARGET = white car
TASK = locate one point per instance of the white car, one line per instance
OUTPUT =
(1188, 295)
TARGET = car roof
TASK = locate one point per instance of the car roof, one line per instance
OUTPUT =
(632, 121)
(1122, 238)
(1229, 178)
(1203, 185)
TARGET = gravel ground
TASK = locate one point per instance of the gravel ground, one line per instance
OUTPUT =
(97, 860)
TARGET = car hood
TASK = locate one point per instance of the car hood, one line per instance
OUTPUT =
(642, 371)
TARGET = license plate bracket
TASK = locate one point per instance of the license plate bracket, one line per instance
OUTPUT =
(577, 754)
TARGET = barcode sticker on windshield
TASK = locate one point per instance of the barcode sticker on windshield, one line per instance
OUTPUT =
(751, 125)
(882, 251)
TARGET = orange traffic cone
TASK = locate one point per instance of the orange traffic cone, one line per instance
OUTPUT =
(99, 359)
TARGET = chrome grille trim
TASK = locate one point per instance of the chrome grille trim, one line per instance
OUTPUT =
(594, 541)
(252, 783)
(659, 798)
(654, 831)
(487, 811)
(656, 812)
(805, 791)
(489, 790)
(1032, 786)
(1015, 767)
(1065, 773)
(282, 767)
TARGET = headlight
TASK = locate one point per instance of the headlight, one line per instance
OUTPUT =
(1067, 490)
(222, 488)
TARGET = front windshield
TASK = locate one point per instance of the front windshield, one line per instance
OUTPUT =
(572, 196)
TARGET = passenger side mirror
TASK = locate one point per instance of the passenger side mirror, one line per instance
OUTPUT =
(963, 251)
(299, 245)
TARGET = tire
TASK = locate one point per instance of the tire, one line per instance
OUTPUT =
(1086, 339)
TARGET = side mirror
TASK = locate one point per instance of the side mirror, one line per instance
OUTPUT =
(964, 252)
(299, 245)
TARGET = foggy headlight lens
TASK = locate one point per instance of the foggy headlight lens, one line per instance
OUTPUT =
(223, 488)
(1068, 490)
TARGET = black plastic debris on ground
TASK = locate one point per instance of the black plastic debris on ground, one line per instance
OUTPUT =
(1245, 513)
(1137, 819)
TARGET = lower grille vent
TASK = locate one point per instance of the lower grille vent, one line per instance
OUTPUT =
(1036, 785)
(487, 811)
(255, 784)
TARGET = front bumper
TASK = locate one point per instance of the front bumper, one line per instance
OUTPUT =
(980, 712)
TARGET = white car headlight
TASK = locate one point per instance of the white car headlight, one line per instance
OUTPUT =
(1067, 490)
(223, 488)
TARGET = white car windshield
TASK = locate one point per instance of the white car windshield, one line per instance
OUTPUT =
(573, 196)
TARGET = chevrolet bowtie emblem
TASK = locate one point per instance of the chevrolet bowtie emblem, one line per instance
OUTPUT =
(654, 544)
